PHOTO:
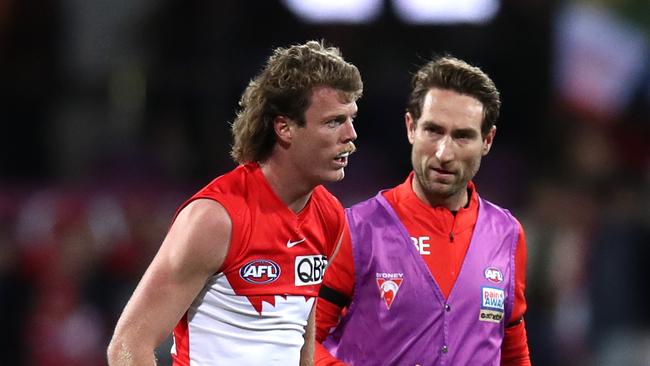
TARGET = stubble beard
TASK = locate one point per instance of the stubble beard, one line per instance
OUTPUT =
(436, 190)
(439, 191)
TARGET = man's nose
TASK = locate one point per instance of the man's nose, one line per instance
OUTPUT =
(349, 133)
(444, 150)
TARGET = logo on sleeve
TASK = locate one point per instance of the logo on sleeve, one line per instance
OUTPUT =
(492, 304)
(309, 269)
(260, 271)
(389, 284)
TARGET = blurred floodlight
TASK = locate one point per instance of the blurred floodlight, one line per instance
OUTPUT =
(335, 11)
(446, 11)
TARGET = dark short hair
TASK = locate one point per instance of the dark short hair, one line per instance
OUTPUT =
(284, 88)
(450, 73)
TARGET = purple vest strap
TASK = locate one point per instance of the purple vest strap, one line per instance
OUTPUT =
(398, 315)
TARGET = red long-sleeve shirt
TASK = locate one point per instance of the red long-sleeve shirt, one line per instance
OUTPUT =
(434, 230)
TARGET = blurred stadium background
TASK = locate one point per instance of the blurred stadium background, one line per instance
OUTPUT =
(113, 113)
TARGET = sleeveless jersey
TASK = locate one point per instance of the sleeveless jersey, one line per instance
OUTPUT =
(254, 309)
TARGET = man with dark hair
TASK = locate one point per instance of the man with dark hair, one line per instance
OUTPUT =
(430, 273)
(238, 273)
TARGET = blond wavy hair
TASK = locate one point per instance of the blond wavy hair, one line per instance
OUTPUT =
(283, 88)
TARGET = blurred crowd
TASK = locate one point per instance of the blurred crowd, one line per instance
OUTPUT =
(70, 259)
(114, 114)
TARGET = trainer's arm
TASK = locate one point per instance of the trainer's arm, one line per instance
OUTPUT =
(193, 250)
(514, 349)
(335, 294)
(328, 315)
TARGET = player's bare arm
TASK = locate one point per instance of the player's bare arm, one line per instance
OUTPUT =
(307, 351)
(194, 249)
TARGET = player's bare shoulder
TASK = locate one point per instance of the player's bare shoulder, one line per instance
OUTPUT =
(201, 234)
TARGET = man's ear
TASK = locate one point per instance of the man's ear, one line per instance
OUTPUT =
(488, 140)
(282, 128)
(410, 127)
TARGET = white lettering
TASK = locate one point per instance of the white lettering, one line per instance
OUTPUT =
(415, 242)
(421, 243)
(251, 272)
(494, 275)
(259, 271)
(424, 244)
(270, 271)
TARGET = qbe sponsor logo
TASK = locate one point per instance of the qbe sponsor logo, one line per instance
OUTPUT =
(309, 269)
(260, 271)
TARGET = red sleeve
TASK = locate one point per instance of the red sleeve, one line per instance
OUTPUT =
(339, 277)
(514, 350)
(326, 314)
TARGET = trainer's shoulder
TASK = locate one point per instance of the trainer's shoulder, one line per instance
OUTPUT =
(498, 212)
(367, 205)
(491, 206)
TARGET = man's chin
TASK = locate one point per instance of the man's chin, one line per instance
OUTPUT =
(339, 175)
(441, 189)
(334, 176)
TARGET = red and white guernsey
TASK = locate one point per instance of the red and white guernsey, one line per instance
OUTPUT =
(254, 309)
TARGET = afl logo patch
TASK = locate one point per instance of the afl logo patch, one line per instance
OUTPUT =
(494, 275)
(260, 271)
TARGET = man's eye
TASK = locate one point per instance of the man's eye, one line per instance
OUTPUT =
(335, 122)
(464, 136)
